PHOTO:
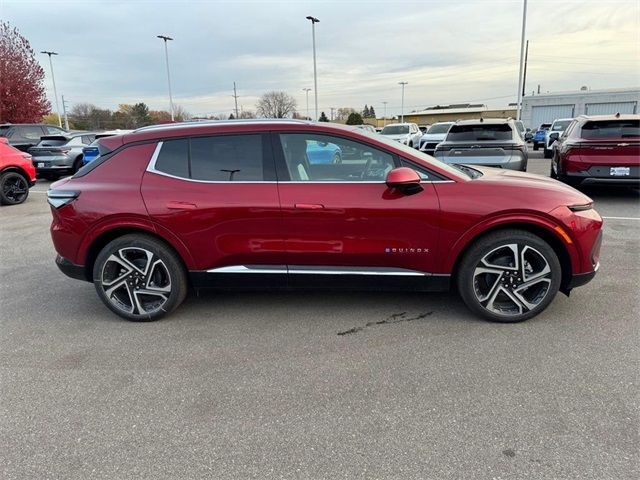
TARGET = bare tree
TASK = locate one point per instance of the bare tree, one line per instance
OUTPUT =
(180, 114)
(276, 105)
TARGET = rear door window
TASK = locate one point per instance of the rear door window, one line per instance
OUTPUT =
(220, 158)
(479, 133)
(30, 132)
(227, 158)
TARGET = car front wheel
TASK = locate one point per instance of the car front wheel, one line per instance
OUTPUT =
(139, 278)
(509, 276)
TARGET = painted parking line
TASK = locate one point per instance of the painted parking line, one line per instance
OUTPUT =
(621, 218)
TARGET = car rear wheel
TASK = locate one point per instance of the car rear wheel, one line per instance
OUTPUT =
(139, 278)
(548, 153)
(14, 188)
(509, 276)
(77, 165)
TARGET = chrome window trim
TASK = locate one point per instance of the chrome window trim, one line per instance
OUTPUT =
(151, 168)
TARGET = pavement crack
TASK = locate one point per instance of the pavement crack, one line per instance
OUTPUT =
(391, 319)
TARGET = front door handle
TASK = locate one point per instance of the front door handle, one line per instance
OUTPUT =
(181, 206)
(309, 206)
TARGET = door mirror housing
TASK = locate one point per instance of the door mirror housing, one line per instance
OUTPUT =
(404, 179)
(554, 136)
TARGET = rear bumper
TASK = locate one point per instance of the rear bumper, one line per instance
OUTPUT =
(71, 269)
(586, 178)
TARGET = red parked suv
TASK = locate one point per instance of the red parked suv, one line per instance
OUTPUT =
(17, 174)
(239, 205)
(603, 149)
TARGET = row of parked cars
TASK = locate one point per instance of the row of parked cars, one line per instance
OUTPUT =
(48, 151)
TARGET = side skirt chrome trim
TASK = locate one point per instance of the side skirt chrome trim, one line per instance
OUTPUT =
(324, 270)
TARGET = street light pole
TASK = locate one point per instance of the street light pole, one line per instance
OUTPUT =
(520, 80)
(402, 107)
(314, 20)
(384, 120)
(55, 92)
(306, 90)
(166, 56)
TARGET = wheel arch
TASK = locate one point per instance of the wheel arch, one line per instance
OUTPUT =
(16, 169)
(101, 240)
(546, 234)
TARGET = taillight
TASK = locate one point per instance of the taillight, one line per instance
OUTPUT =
(60, 198)
(65, 150)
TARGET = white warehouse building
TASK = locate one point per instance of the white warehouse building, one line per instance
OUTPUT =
(545, 108)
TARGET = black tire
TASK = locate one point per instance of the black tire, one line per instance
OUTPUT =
(162, 279)
(548, 153)
(535, 146)
(14, 188)
(552, 172)
(503, 297)
(77, 165)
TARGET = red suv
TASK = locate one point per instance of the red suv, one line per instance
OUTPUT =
(238, 205)
(17, 174)
(602, 149)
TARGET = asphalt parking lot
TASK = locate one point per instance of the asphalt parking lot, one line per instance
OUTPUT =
(254, 385)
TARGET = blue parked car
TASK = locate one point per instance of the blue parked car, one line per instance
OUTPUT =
(540, 136)
(323, 153)
(91, 152)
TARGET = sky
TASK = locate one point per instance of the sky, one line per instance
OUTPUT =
(454, 51)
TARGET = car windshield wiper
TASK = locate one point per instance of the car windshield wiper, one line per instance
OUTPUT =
(471, 172)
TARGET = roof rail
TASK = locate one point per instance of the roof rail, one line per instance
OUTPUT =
(221, 122)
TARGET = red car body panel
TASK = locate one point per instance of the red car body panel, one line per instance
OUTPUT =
(13, 159)
(218, 224)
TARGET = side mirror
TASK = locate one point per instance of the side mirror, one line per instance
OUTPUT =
(404, 179)
(554, 136)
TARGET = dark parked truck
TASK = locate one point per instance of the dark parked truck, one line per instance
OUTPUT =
(598, 150)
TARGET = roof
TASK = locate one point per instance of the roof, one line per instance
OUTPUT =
(484, 121)
(626, 116)
(220, 126)
(565, 93)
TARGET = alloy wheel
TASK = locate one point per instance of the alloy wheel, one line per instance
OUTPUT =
(512, 279)
(136, 281)
(15, 189)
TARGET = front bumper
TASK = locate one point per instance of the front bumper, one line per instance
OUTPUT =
(71, 269)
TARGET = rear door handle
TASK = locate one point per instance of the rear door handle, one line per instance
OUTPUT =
(309, 206)
(181, 206)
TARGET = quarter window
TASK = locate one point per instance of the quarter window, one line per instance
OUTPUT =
(174, 158)
(310, 157)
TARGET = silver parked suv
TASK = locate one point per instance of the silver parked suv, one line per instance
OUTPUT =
(56, 155)
(490, 142)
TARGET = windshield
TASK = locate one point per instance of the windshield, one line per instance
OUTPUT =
(611, 129)
(479, 133)
(412, 152)
(395, 130)
(561, 125)
(439, 128)
(545, 126)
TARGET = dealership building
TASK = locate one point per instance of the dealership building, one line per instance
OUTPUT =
(545, 108)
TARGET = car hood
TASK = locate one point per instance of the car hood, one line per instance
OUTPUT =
(433, 137)
(397, 137)
(520, 180)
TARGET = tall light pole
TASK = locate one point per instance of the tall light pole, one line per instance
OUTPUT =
(166, 56)
(314, 20)
(520, 80)
(306, 90)
(235, 97)
(384, 120)
(55, 92)
(402, 107)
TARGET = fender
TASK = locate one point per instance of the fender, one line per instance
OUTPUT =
(508, 220)
(138, 222)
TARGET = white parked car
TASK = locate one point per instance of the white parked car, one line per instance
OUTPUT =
(406, 133)
(436, 134)
(558, 126)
